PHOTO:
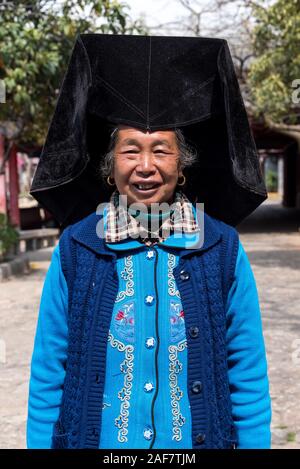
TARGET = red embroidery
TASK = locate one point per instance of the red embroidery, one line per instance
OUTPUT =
(120, 315)
(124, 322)
(174, 319)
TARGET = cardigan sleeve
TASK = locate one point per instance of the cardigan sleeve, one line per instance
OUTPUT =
(247, 364)
(48, 360)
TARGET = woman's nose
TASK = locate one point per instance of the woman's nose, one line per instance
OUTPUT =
(145, 164)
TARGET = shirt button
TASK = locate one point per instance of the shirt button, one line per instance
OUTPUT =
(194, 331)
(149, 299)
(150, 254)
(150, 342)
(196, 387)
(200, 438)
(148, 387)
(148, 433)
(184, 275)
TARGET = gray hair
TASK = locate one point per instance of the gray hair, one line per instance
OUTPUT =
(187, 153)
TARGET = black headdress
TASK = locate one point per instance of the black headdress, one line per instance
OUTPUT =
(150, 82)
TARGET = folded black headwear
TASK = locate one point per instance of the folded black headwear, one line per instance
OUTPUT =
(151, 83)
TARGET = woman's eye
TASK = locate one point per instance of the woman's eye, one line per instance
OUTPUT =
(135, 152)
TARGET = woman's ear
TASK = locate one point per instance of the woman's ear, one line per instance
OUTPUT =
(180, 173)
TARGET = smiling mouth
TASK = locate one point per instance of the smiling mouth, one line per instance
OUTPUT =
(145, 188)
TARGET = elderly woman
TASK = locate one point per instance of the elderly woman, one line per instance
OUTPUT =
(149, 339)
(149, 332)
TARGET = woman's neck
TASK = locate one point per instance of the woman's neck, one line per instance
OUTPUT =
(149, 219)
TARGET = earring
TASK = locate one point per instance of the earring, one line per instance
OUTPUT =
(183, 183)
(109, 183)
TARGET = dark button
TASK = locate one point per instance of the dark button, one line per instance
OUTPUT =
(200, 438)
(194, 331)
(184, 275)
(196, 387)
(97, 379)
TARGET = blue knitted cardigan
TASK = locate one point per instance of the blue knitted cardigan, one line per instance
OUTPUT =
(203, 277)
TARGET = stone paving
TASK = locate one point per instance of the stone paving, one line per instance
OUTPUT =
(274, 254)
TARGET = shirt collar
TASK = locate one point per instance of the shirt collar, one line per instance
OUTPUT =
(89, 232)
(123, 230)
(174, 240)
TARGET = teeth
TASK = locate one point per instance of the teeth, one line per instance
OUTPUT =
(145, 186)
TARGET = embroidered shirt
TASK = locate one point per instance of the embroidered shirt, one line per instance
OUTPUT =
(148, 318)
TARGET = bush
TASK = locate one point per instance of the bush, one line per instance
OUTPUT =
(8, 235)
(272, 181)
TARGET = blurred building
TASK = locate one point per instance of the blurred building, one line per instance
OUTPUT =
(279, 156)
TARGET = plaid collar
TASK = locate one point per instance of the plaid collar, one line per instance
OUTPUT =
(120, 224)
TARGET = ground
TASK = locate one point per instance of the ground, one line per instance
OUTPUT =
(271, 238)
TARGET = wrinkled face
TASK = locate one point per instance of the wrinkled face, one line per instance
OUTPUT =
(146, 165)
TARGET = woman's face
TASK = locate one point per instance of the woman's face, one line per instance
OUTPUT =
(146, 165)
